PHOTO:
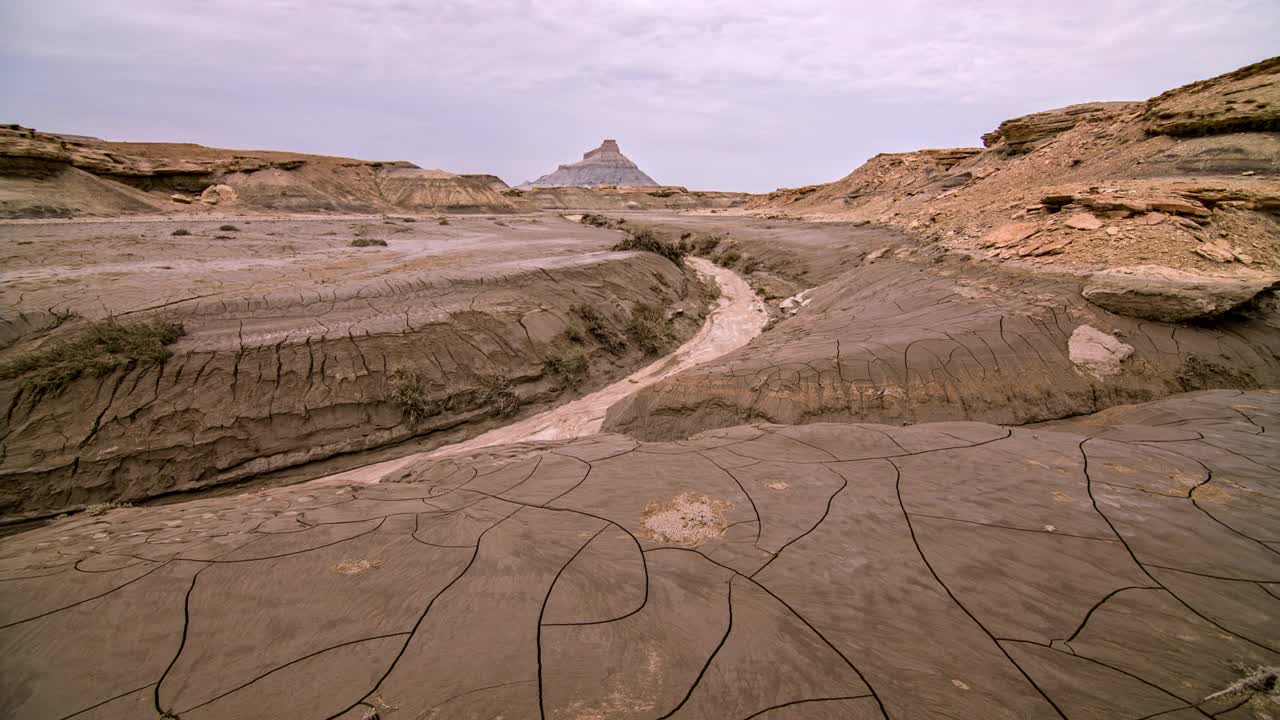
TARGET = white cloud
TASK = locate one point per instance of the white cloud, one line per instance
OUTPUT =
(712, 93)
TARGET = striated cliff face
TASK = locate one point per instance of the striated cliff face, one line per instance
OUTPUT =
(1024, 134)
(605, 165)
(44, 175)
(47, 175)
(1246, 100)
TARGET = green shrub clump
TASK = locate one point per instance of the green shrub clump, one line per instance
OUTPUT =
(228, 228)
(98, 349)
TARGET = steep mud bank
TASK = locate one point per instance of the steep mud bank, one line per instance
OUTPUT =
(906, 335)
(307, 370)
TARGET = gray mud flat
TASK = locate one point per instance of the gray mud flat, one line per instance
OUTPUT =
(1123, 565)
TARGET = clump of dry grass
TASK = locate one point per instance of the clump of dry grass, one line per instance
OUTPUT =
(98, 349)
(567, 367)
(647, 240)
(411, 390)
(596, 326)
(649, 328)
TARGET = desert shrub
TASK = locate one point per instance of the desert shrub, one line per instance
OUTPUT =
(443, 221)
(646, 240)
(496, 393)
(368, 242)
(750, 265)
(228, 228)
(701, 244)
(728, 258)
(649, 328)
(595, 220)
(411, 390)
(98, 349)
(568, 367)
(513, 192)
(181, 232)
(595, 325)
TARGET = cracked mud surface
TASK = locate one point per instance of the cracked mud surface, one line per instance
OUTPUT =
(1119, 565)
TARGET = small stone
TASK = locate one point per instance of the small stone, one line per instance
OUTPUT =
(1010, 234)
(1113, 231)
(1179, 207)
(1154, 218)
(181, 199)
(219, 195)
(1215, 251)
(1097, 353)
(1083, 221)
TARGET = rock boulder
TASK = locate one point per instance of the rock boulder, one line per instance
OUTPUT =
(1159, 293)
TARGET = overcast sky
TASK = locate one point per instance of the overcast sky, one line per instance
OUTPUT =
(719, 94)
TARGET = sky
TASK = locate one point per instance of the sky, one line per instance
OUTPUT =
(713, 95)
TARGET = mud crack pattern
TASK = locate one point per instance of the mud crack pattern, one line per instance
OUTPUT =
(1121, 565)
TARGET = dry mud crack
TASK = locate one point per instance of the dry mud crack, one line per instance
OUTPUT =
(1122, 565)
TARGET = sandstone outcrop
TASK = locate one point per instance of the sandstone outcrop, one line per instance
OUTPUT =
(1245, 100)
(1024, 134)
(1159, 293)
(1190, 180)
(605, 165)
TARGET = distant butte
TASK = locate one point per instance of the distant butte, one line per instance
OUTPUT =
(606, 165)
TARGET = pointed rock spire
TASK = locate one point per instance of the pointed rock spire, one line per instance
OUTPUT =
(605, 165)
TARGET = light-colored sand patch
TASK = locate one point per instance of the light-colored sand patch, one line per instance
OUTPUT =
(686, 519)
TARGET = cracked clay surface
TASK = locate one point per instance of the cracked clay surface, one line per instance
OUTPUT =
(1118, 565)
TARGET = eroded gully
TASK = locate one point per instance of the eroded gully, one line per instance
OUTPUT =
(738, 317)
